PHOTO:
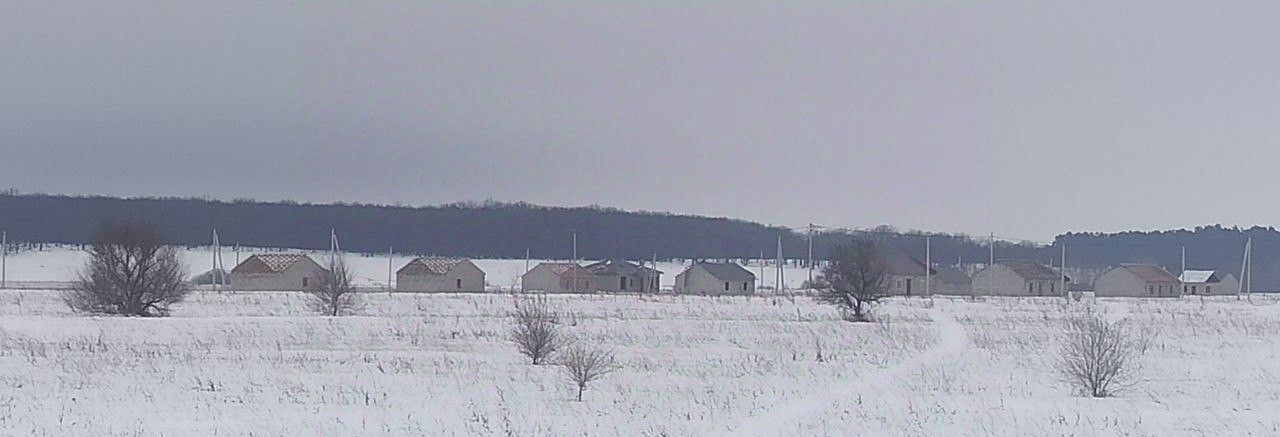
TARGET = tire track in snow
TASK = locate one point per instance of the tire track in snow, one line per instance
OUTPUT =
(781, 419)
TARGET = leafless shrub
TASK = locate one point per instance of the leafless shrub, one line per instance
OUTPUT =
(584, 364)
(1100, 357)
(335, 295)
(855, 278)
(535, 328)
(130, 272)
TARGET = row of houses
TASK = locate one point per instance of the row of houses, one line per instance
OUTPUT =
(290, 271)
(907, 276)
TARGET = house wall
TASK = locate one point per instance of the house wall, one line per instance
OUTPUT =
(1228, 286)
(898, 285)
(696, 280)
(541, 278)
(998, 280)
(289, 280)
(472, 279)
(945, 289)
(1119, 282)
(635, 283)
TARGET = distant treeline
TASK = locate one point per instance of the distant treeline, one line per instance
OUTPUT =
(507, 230)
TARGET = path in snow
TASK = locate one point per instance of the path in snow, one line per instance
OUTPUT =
(782, 419)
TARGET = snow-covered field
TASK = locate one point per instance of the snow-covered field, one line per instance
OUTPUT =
(60, 264)
(259, 364)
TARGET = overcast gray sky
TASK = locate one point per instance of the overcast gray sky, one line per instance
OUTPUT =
(1020, 118)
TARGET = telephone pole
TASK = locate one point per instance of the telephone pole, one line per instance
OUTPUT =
(390, 263)
(928, 267)
(810, 255)
(992, 247)
(575, 262)
(4, 259)
(1065, 291)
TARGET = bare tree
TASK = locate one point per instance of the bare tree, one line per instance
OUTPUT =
(584, 365)
(334, 294)
(1100, 357)
(130, 272)
(535, 330)
(854, 278)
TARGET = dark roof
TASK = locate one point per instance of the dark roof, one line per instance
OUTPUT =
(1149, 273)
(900, 264)
(952, 275)
(430, 266)
(618, 267)
(269, 263)
(1031, 270)
(727, 271)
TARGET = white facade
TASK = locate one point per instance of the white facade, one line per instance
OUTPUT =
(1209, 283)
(457, 276)
(704, 279)
(558, 278)
(1137, 281)
(302, 275)
(1022, 279)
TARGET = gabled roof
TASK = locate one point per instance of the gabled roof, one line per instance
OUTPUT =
(618, 267)
(900, 264)
(727, 271)
(1200, 277)
(952, 275)
(430, 266)
(270, 263)
(1030, 270)
(1149, 273)
(560, 269)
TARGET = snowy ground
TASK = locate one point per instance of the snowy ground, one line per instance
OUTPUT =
(60, 264)
(241, 363)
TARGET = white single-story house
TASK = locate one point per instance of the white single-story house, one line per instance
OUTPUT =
(1137, 280)
(278, 272)
(716, 279)
(618, 276)
(1209, 283)
(906, 275)
(436, 275)
(1018, 278)
(557, 277)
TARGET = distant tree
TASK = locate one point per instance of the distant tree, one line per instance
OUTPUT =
(535, 329)
(334, 294)
(1100, 357)
(130, 271)
(854, 279)
(584, 364)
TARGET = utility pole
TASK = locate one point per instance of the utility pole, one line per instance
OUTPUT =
(575, 262)
(1245, 268)
(1183, 272)
(390, 262)
(992, 248)
(4, 259)
(1065, 291)
(928, 267)
(654, 281)
(780, 278)
(810, 255)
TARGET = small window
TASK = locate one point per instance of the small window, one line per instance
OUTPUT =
(459, 284)
(1030, 288)
(1207, 289)
(744, 286)
(304, 281)
(726, 286)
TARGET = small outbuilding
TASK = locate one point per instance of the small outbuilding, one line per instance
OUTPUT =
(1209, 283)
(438, 275)
(556, 277)
(1019, 278)
(708, 278)
(1137, 280)
(277, 272)
(619, 276)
